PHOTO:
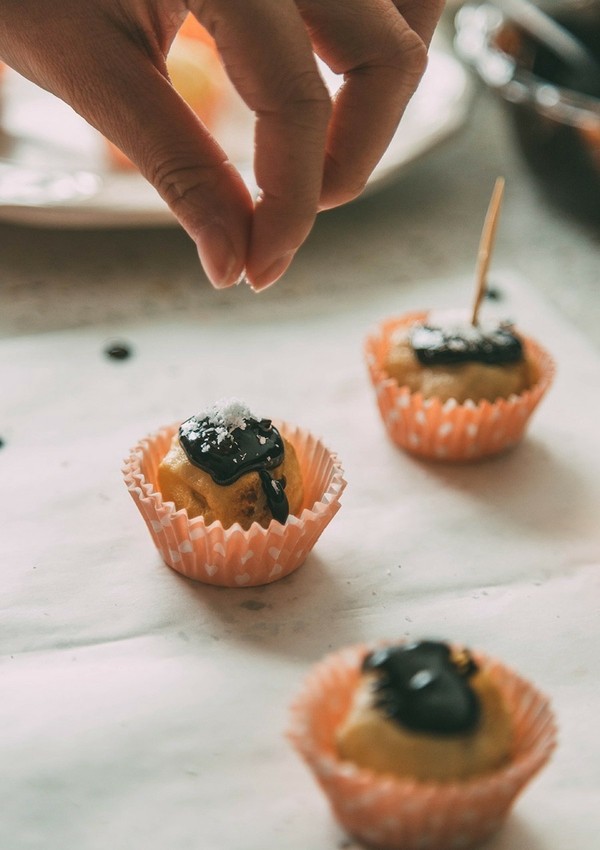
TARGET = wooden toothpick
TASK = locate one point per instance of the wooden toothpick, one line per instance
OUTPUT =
(486, 244)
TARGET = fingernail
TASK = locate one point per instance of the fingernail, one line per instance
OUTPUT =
(217, 256)
(273, 272)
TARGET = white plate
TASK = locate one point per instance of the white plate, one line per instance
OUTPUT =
(54, 169)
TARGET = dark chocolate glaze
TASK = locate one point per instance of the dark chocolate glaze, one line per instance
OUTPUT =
(440, 346)
(226, 456)
(118, 351)
(423, 688)
(274, 489)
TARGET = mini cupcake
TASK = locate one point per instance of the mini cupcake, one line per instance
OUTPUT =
(420, 745)
(457, 389)
(232, 499)
(448, 389)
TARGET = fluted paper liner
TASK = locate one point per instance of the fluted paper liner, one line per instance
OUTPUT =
(233, 557)
(440, 430)
(387, 812)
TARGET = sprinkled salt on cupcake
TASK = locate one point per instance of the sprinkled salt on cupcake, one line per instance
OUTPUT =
(231, 498)
(455, 411)
(443, 358)
(454, 386)
(226, 464)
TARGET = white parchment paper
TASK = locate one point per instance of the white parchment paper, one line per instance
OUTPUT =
(141, 710)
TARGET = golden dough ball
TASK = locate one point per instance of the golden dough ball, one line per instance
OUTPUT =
(372, 739)
(460, 381)
(243, 501)
(243, 497)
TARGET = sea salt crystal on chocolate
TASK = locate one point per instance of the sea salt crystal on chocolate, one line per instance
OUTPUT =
(225, 416)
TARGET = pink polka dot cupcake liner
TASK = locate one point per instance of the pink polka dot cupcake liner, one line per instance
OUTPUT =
(234, 557)
(389, 813)
(446, 430)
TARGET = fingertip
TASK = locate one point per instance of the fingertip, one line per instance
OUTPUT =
(336, 192)
(269, 275)
(222, 263)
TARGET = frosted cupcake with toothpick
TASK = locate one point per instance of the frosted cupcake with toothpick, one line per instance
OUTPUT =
(457, 386)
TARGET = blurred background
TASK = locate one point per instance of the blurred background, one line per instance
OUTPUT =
(84, 240)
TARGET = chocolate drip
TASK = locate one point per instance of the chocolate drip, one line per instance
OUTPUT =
(118, 351)
(226, 455)
(274, 490)
(442, 346)
(424, 688)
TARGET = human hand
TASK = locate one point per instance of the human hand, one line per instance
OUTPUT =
(106, 58)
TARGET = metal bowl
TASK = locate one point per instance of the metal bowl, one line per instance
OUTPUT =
(557, 127)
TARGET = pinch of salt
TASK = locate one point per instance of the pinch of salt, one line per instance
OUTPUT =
(229, 413)
(458, 323)
(221, 433)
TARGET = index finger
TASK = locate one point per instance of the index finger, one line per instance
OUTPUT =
(382, 55)
(268, 55)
